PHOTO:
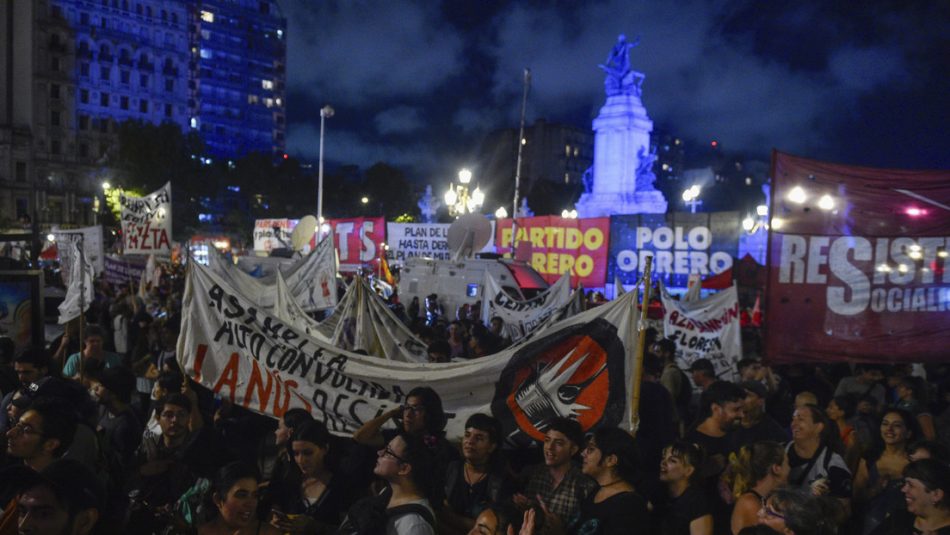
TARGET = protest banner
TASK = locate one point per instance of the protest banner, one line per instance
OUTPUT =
(858, 263)
(270, 234)
(360, 321)
(79, 292)
(430, 240)
(358, 240)
(577, 368)
(91, 238)
(124, 269)
(705, 329)
(311, 279)
(561, 245)
(679, 243)
(523, 317)
(147, 222)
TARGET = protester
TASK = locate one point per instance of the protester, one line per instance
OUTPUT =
(758, 470)
(235, 494)
(493, 521)
(687, 511)
(557, 484)
(926, 490)
(814, 455)
(284, 464)
(757, 425)
(675, 381)
(64, 498)
(93, 340)
(928, 449)
(913, 397)
(865, 381)
(119, 427)
(840, 410)
(479, 480)
(703, 373)
(797, 512)
(877, 482)
(313, 497)
(43, 433)
(29, 366)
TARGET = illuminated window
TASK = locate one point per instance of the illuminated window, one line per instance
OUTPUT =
(207, 16)
(267, 84)
(206, 54)
(269, 102)
(194, 122)
(567, 150)
(278, 102)
(252, 99)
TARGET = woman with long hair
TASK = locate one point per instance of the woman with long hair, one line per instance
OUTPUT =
(815, 457)
(877, 482)
(913, 397)
(235, 498)
(757, 470)
(687, 512)
(314, 498)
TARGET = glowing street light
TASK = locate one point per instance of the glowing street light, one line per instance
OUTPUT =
(691, 197)
(364, 200)
(748, 224)
(762, 210)
(501, 213)
(826, 202)
(325, 113)
(459, 199)
(797, 195)
(106, 186)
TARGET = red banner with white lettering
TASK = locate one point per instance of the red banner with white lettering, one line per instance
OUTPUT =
(358, 241)
(858, 262)
(561, 245)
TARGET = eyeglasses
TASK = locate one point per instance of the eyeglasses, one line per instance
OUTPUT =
(415, 409)
(769, 510)
(171, 415)
(24, 429)
(387, 451)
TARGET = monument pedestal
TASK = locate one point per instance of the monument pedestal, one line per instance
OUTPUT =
(621, 138)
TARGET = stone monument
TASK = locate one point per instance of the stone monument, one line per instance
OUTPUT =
(621, 179)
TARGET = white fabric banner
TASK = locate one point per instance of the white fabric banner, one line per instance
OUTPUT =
(147, 222)
(577, 369)
(430, 240)
(360, 321)
(705, 329)
(523, 317)
(91, 238)
(311, 280)
(80, 292)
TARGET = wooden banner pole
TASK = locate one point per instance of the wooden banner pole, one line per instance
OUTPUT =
(640, 327)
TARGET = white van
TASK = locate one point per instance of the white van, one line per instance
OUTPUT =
(459, 282)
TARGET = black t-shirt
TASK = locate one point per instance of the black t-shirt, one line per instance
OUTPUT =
(674, 517)
(618, 515)
(469, 500)
(766, 429)
(717, 450)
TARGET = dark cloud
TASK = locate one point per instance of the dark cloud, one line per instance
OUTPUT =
(418, 84)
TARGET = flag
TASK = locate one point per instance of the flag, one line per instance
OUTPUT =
(80, 292)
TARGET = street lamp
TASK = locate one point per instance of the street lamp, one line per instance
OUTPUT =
(459, 199)
(364, 200)
(569, 214)
(325, 113)
(501, 213)
(691, 197)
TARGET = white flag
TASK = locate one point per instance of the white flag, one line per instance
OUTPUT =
(80, 292)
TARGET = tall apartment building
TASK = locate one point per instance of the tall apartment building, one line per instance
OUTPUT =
(241, 59)
(71, 70)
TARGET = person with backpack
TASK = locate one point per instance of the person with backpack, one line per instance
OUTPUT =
(674, 380)
(404, 507)
(814, 456)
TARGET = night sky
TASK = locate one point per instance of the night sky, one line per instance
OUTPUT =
(418, 84)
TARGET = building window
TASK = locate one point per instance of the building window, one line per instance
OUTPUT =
(104, 99)
(175, 18)
(54, 64)
(164, 15)
(83, 150)
(55, 147)
(84, 69)
(148, 11)
(267, 84)
(143, 106)
(169, 84)
(21, 171)
(124, 77)
(54, 91)
(143, 80)
(206, 54)
(84, 96)
(84, 122)
(54, 118)
(124, 102)
(104, 125)
(104, 73)
(207, 16)
(253, 99)
(168, 110)
(84, 19)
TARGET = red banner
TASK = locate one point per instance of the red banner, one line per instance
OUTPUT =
(560, 245)
(358, 240)
(858, 262)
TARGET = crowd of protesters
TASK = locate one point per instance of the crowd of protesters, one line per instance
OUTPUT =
(104, 434)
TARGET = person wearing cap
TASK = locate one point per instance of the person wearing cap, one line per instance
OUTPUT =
(93, 341)
(757, 425)
(66, 497)
(119, 427)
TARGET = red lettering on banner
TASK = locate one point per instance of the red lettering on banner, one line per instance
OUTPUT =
(229, 377)
(199, 361)
(257, 383)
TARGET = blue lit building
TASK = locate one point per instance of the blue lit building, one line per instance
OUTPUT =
(239, 48)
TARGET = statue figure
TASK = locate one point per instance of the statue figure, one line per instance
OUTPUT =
(645, 175)
(587, 179)
(523, 210)
(429, 205)
(620, 79)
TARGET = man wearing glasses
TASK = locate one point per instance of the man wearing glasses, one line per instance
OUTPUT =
(43, 434)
